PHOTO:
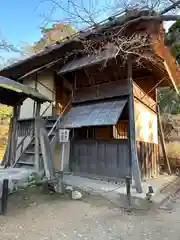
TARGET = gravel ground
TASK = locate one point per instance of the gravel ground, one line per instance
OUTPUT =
(33, 216)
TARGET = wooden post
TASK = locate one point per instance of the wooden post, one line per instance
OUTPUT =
(59, 96)
(163, 144)
(13, 142)
(6, 159)
(128, 192)
(4, 196)
(36, 136)
(46, 151)
(132, 134)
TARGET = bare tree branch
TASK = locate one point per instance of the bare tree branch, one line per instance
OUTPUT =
(5, 46)
(173, 6)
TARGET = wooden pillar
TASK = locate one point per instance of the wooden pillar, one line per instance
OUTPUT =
(36, 136)
(58, 97)
(132, 134)
(8, 148)
(34, 104)
(13, 140)
(46, 149)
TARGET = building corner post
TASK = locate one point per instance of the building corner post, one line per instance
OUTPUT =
(134, 163)
(36, 136)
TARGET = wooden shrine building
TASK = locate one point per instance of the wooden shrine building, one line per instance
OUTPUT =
(103, 83)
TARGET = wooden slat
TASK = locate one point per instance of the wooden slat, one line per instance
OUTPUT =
(101, 91)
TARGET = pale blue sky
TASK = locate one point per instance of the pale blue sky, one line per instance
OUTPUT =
(19, 20)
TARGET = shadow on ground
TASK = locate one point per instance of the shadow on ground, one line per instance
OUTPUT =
(34, 196)
(31, 196)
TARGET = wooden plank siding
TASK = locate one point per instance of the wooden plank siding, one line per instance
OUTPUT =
(148, 155)
(103, 158)
(106, 90)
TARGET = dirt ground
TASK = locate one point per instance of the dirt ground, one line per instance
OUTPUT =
(35, 216)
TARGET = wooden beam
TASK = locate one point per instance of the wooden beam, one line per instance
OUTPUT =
(34, 104)
(36, 135)
(39, 69)
(163, 144)
(58, 94)
(136, 172)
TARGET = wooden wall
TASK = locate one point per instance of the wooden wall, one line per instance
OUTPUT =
(148, 155)
(147, 139)
(102, 91)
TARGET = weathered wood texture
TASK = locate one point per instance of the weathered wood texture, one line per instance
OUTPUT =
(100, 157)
(23, 127)
(84, 155)
(148, 155)
(106, 90)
